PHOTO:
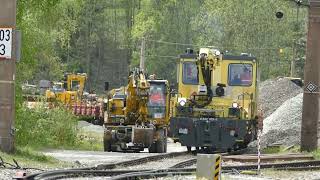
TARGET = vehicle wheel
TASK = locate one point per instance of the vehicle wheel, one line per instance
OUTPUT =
(152, 148)
(107, 138)
(189, 148)
(161, 144)
(166, 145)
(197, 149)
(107, 146)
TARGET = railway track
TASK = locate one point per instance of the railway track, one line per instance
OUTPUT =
(296, 166)
(101, 169)
(108, 170)
(150, 173)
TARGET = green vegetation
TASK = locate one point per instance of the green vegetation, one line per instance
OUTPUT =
(316, 154)
(102, 38)
(52, 128)
(42, 127)
(27, 157)
(90, 141)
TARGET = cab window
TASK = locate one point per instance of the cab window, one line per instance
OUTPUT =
(240, 75)
(190, 73)
(75, 85)
(157, 101)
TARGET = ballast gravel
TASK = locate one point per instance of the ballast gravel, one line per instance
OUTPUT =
(274, 92)
(283, 127)
(281, 102)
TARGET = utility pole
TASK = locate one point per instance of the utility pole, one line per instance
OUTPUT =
(142, 57)
(7, 73)
(310, 113)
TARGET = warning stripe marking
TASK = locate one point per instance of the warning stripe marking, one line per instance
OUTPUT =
(217, 168)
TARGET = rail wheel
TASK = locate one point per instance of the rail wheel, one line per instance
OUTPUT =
(107, 138)
(160, 146)
(189, 148)
(152, 148)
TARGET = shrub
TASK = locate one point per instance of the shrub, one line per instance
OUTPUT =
(42, 127)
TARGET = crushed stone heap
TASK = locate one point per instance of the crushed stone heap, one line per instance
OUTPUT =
(274, 92)
(283, 126)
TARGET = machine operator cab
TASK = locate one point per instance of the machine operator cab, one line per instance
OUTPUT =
(158, 103)
(216, 102)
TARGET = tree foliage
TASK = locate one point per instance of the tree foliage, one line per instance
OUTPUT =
(102, 38)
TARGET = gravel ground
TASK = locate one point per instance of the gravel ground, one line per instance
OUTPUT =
(88, 127)
(91, 158)
(274, 92)
(10, 173)
(162, 164)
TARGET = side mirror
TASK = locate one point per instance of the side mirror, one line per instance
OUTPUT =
(106, 86)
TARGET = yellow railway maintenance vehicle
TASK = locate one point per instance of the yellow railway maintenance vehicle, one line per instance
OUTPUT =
(215, 107)
(137, 115)
(70, 91)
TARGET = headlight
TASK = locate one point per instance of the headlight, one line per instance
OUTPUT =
(234, 105)
(121, 120)
(182, 101)
(217, 53)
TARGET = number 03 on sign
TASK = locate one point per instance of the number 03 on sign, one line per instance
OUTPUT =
(5, 43)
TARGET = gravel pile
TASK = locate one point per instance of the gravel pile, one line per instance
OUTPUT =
(284, 125)
(274, 92)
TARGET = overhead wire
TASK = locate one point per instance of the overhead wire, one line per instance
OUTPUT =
(230, 47)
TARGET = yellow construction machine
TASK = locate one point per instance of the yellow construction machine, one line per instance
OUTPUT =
(215, 107)
(137, 115)
(69, 91)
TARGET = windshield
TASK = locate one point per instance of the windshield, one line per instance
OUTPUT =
(240, 75)
(190, 73)
(75, 85)
(157, 101)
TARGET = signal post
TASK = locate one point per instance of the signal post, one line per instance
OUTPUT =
(310, 115)
(7, 73)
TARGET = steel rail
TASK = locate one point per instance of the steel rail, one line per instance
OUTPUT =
(141, 160)
(127, 174)
(113, 165)
(184, 164)
(298, 166)
(122, 164)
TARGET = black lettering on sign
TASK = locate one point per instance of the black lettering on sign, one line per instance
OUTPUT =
(1, 35)
(2, 49)
(8, 35)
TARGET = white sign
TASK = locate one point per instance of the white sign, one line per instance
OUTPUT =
(158, 115)
(311, 87)
(183, 131)
(5, 43)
